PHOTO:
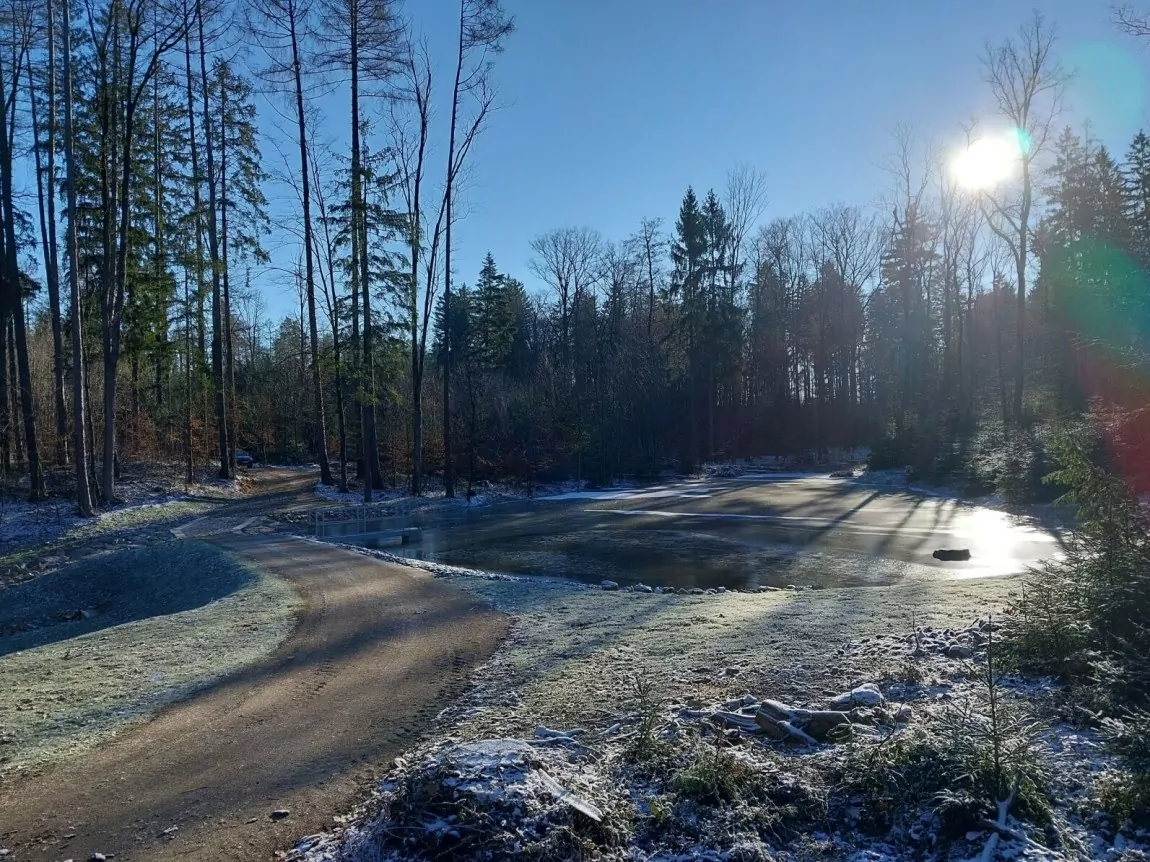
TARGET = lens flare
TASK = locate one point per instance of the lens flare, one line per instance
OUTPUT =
(988, 161)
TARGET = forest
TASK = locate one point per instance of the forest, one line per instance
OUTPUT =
(946, 328)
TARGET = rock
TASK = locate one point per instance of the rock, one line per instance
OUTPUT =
(720, 589)
(903, 714)
(697, 591)
(864, 695)
(609, 585)
(97, 857)
(643, 588)
(280, 814)
(959, 651)
(958, 555)
(658, 591)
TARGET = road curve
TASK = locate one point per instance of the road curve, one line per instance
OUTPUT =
(378, 651)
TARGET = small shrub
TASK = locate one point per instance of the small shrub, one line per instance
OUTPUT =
(1090, 603)
(649, 706)
(1126, 795)
(993, 736)
(896, 776)
(715, 776)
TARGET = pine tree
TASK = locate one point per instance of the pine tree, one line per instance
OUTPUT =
(1136, 197)
(687, 285)
(494, 320)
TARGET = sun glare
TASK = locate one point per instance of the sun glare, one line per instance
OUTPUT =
(986, 162)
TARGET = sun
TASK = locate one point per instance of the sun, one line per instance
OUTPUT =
(986, 162)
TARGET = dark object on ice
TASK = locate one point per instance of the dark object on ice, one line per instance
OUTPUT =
(959, 556)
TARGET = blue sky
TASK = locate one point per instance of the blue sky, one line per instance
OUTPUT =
(615, 106)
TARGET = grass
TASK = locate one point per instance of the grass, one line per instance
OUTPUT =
(165, 621)
(69, 534)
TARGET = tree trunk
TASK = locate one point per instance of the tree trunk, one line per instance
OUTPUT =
(449, 206)
(79, 447)
(1020, 263)
(320, 432)
(229, 357)
(15, 308)
(47, 208)
(220, 399)
(369, 435)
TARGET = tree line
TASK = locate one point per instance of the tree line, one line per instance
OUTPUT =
(133, 324)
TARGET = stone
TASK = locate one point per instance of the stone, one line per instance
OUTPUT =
(643, 588)
(955, 555)
(903, 714)
(658, 591)
(97, 857)
(609, 585)
(959, 651)
(280, 814)
(697, 591)
(864, 695)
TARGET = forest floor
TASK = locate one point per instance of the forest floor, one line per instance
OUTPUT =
(543, 757)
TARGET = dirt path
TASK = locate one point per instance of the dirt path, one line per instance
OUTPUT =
(378, 651)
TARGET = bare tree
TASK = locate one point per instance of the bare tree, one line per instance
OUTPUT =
(327, 254)
(650, 246)
(280, 27)
(1027, 83)
(409, 133)
(1132, 21)
(483, 26)
(567, 260)
(744, 202)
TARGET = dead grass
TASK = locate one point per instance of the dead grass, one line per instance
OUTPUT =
(573, 652)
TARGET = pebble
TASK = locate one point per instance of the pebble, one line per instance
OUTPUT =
(280, 814)
(643, 588)
(609, 585)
